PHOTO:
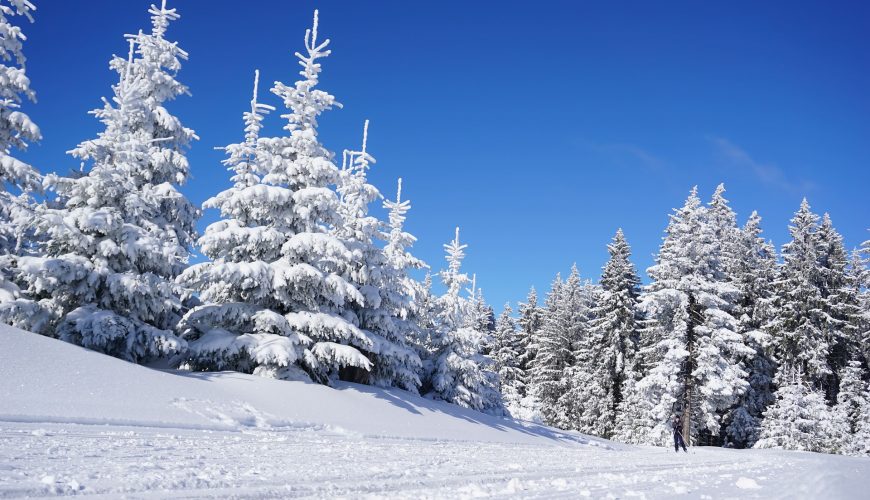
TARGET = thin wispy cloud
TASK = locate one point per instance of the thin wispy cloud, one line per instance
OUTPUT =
(733, 156)
(626, 153)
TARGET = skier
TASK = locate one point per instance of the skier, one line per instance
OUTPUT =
(678, 435)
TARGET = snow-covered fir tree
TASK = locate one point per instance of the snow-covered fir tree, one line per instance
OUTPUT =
(851, 402)
(841, 303)
(382, 313)
(563, 324)
(302, 277)
(427, 310)
(117, 235)
(506, 354)
(241, 327)
(460, 373)
(407, 299)
(529, 323)
(697, 370)
(799, 326)
(753, 272)
(859, 443)
(17, 178)
(799, 418)
(583, 393)
(613, 337)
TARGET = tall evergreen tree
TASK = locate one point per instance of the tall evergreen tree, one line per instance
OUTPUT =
(305, 280)
(529, 323)
(118, 235)
(16, 130)
(558, 338)
(379, 315)
(460, 373)
(697, 369)
(799, 328)
(506, 354)
(241, 326)
(841, 303)
(405, 297)
(613, 336)
(753, 273)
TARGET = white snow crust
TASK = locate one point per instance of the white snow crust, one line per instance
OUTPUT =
(73, 421)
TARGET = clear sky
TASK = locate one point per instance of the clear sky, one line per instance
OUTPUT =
(538, 127)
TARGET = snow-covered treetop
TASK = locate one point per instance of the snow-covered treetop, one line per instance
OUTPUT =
(398, 240)
(455, 253)
(160, 18)
(243, 157)
(454, 281)
(356, 193)
(303, 99)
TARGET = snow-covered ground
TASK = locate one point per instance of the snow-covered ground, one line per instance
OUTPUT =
(74, 421)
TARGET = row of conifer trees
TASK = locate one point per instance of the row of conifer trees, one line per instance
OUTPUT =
(301, 281)
(748, 347)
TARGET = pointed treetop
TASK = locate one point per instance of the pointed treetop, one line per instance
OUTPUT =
(455, 253)
(719, 196)
(160, 18)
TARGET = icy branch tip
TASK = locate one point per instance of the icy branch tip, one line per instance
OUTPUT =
(365, 136)
(314, 29)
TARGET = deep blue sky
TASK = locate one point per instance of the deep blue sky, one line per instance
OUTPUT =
(538, 127)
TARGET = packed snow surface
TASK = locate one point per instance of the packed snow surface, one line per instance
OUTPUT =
(77, 422)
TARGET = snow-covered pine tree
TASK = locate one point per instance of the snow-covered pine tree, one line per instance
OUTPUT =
(241, 327)
(633, 422)
(696, 369)
(613, 336)
(427, 310)
(118, 235)
(851, 401)
(798, 328)
(557, 341)
(859, 444)
(861, 280)
(529, 325)
(16, 130)
(460, 373)
(840, 303)
(380, 315)
(508, 340)
(302, 280)
(407, 298)
(529, 322)
(582, 399)
(799, 419)
(753, 273)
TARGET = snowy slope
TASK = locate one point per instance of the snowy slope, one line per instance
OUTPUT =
(45, 380)
(74, 421)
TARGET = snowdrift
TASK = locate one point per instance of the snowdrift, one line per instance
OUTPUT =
(49, 381)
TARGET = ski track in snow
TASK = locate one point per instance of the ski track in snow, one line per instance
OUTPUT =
(46, 459)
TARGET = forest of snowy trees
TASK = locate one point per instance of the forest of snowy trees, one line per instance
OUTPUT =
(750, 346)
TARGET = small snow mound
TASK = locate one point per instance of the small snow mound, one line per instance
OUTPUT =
(745, 483)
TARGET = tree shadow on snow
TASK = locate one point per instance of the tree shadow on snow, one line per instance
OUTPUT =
(417, 405)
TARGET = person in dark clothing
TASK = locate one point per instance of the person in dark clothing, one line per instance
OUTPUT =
(678, 435)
